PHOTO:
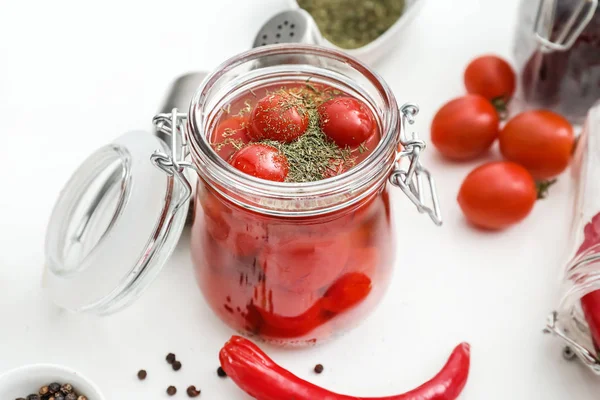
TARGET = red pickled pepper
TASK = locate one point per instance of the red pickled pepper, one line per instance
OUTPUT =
(590, 303)
(346, 292)
(259, 376)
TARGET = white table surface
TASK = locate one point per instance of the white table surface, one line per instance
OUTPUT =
(74, 76)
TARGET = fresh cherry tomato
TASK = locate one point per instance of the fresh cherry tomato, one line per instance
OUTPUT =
(278, 116)
(347, 121)
(261, 161)
(497, 195)
(305, 264)
(465, 128)
(491, 77)
(539, 140)
(232, 129)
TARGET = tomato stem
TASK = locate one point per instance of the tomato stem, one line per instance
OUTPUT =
(501, 106)
(543, 187)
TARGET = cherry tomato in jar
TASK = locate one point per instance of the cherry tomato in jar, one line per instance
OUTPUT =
(261, 161)
(347, 121)
(493, 78)
(497, 195)
(233, 130)
(541, 141)
(278, 116)
(216, 215)
(465, 128)
(363, 260)
(307, 264)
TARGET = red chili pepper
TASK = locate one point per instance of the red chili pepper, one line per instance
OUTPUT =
(259, 376)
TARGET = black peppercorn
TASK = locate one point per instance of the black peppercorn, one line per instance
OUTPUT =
(318, 368)
(193, 392)
(176, 366)
(171, 390)
(33, 397)
(221, 372)
(66, 388)
(59, 396)
(142, 374)
(171, 358)
(71, 396)
(44, 390)
(54, 387)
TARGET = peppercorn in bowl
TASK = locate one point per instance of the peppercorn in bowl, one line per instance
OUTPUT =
(46, 381)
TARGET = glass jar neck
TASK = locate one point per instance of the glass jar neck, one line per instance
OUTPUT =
(273, 64)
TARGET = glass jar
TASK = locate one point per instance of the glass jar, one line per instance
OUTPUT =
(292, 263)
(577, 319)
(557, 52)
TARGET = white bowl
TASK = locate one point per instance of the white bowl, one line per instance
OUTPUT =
(378, 48)
(27, 380)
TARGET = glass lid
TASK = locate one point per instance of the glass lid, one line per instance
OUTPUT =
(115, 224)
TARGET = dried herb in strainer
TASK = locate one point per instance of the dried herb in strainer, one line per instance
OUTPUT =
(353, 23)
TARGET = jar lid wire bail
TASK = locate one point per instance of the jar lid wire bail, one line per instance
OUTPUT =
(410, 179)
(173, 164)
(572, 347)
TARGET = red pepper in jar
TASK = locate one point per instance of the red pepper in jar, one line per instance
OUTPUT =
(259, 376)
(590, 303)
(346, 292)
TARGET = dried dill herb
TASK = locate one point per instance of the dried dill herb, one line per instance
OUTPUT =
(246, 109)
(353, 23)
(312, 154)
(236, 143)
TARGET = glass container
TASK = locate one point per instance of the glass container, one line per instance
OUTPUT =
(292, 263)
(577, 317)
(557, 52)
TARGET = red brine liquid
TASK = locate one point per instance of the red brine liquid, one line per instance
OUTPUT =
(292, 280)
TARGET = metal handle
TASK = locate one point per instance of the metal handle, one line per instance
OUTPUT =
(572, 29)
(173, 164)
(410, 180)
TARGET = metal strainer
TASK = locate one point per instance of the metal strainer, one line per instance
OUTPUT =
(293, 26)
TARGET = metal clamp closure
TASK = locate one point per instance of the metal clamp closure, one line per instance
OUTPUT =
(415, 181)
(574, 26)
(586, 356)
(173, 164)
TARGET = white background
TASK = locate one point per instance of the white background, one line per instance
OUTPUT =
(74, 75)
